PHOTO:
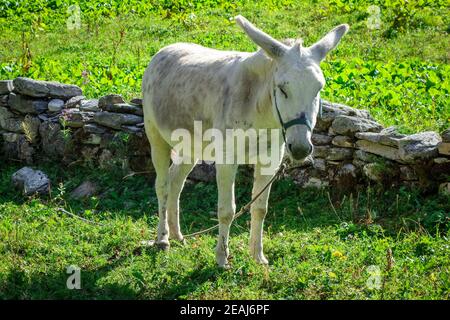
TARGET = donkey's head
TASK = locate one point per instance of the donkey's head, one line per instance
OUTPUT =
(297, 81)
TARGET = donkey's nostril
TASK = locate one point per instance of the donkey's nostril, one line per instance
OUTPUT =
(290, 147)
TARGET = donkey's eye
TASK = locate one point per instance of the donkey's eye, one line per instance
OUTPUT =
(283, 92)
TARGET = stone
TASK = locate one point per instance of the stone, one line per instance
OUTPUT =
(124, 108)
(11, 137)
(407, 173)
(110, 99)
(90, 105)
(322, 125)
(441, 160)
(17, 147)
(358, 163)
(332, 110)
(321, 151)
(93, 138)
(94, 128)
(55, 105)
(9, 121)
(203, 171)
(337, 154)
(346, 178)
(444, 148)
(349, 125)
(85, 190)
(137, 101)
(419, 147)
(30, 126)
(116, 120)
(75, 118)
(52, 139)
(43, 117)
(372, 172)
(4, 100)
(379, 149)
(331, 132)
(383, 173)
(39, 89)
(138, 146)
(74, 102)
(320, 164)
(315, 182)
(6, 86)
(343, 141)
(446, 135)
(387, 137)
(366, 156)
(26, 105)
(320, 139)
(444, 188)
(31, 181)
(132, 129)
(105, 159)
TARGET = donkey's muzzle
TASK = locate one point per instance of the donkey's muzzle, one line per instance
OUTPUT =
(300, 152)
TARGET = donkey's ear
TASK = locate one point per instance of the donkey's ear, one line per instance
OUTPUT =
(320, 49)
(272, 47)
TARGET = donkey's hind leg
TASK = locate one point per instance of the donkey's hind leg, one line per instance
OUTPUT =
(177, 178)
(160, 152)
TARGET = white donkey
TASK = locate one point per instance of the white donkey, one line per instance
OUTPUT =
(274, 88)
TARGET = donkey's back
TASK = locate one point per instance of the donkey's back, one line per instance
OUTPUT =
(186, 82)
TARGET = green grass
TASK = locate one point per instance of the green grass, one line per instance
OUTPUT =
(400, 74)
(316, 250)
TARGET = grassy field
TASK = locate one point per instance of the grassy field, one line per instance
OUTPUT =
(376, 245)
(316, 249)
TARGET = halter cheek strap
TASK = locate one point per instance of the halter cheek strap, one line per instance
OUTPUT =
(302, 119)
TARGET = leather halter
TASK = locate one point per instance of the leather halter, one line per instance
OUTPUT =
(301, 120)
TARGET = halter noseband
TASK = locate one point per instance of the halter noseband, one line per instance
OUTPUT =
(302, 119)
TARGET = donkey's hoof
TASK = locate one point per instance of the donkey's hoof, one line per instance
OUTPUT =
(225, 266)
(222, 261)
(179, 238)
(261, 259)
(163, 246)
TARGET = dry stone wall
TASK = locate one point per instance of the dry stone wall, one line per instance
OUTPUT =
(42, 120)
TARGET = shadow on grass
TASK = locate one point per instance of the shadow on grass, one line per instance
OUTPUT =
(18, 284)
(290, 207)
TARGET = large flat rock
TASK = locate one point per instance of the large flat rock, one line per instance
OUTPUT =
(75, 118)
(9, 121)
(349, 125)
(331, 111)
(31, 181)
(387, 137)
(124, 108)
(419, 147)
(26, 105)
(40, 89)
(116, 120)
(379, 149)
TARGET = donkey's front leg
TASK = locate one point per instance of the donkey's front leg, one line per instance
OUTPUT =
(225, 176)
(177, 178)
(258, 212)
